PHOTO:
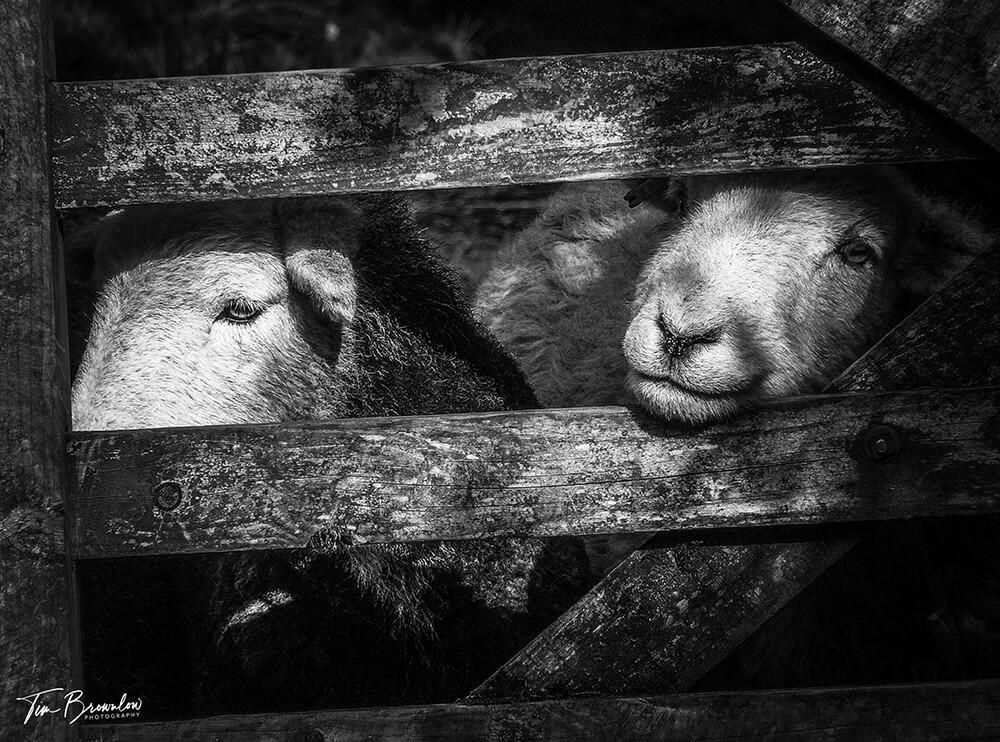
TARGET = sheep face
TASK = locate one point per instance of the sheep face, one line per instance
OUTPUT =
(768, 286)
(207, 317)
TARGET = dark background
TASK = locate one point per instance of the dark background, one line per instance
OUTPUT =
(99, 39)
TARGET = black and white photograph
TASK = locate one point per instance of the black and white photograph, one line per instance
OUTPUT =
(447, 370)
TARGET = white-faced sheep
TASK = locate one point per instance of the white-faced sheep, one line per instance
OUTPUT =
(732, 289)
(268, 311)
(767, 286)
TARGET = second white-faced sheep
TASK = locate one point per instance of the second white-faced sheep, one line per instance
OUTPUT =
(267, 311)
(734, 289)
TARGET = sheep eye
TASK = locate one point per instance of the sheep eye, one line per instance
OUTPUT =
(856, 251)
(240, 311)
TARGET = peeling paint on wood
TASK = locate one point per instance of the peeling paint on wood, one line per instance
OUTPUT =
(916, 713)
(494, 122)
(537, 473)
(34, 594)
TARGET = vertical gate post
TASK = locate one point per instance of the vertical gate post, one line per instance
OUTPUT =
(34, 584)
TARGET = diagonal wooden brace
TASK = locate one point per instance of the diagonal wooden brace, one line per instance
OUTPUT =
(945, 52)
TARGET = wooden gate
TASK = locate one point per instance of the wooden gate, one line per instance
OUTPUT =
(92, 495)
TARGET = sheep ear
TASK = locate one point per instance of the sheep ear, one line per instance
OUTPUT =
(938, 243)
(319, 237)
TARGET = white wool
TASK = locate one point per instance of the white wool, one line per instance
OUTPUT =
(558, 295)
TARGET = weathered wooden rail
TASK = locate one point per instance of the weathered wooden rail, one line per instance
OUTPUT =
(545, 473)
(500, 122)
(480, 123)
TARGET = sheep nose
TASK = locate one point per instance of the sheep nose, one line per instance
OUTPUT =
(677, 345)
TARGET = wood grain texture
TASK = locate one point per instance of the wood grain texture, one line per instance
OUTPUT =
(34, 595)
(946, 52)
(951, 339)
(916, 713)
(478, 123)
(530, 473)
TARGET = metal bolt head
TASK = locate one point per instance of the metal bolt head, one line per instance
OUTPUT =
(882, 443)
(167, 495)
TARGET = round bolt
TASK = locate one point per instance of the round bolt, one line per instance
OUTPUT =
(882, 443)
(167, 495)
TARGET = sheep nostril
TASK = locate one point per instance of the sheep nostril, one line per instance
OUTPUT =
(677, 345)
(674, 345)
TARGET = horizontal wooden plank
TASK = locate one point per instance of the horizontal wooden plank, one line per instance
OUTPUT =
(494, 122)
(915, 713)
(532, 473)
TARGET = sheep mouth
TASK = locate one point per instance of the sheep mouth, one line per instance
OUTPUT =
(671, 400)
(671, 383)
